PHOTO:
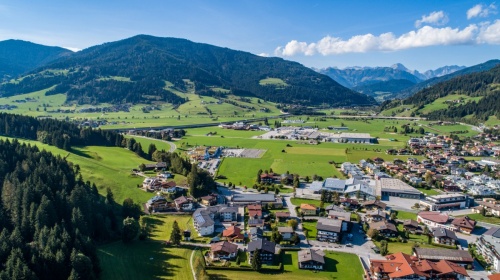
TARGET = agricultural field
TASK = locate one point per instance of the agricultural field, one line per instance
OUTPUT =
(283, 155)
(338, 266)
(278, 83)
(195, 111)
(480, 218)
(444, 102)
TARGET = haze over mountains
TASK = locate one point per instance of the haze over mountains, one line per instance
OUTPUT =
(142, 68)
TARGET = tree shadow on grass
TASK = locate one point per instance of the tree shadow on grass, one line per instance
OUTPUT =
(330, 264)
(80, 153)
(154, 224)
(287, 259)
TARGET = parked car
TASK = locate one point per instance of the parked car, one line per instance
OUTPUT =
(348, 245)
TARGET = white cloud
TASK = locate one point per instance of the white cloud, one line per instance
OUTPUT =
(423, 37)
(490, 33)
(481, 10)
(263, 54)
(434, 18)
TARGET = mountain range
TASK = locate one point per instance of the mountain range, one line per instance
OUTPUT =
(144, 68)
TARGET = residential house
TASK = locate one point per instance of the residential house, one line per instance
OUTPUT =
(155, 166)
(329, 230)
(233, 234)
(267, 250)
(403, 266)
(183, 203)
(488, 246)
(255, 233)
(412, 226)
(308, 209)
(374, 204)
(209, 200)
(434, 219)
(385, 228)
(204, 219)
(340, 215)
(375, 216)
(254, 211)
(256, 222)
(286, 232)
(464, 224)
(158, 204)
(247, 198)
(492, 206)
(444, 236)
(282, 216)
(460, 257)
(223, 250)
(349, 203)
(311, 259)
(266, 178)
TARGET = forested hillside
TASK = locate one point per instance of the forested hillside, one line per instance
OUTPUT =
(18, 57)
(54, 132)
(144, 68)
(49, 219)
(472, 98)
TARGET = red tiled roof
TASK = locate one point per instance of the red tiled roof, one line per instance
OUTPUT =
(464, 222)
(307, 206)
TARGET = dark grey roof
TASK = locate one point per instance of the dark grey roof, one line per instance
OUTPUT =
(239, 197)
(329, 225)
(256, 231)
(443, 254)
(255, 221)
(306, 255)
(345, 215)
(334, 208)
(442, 232)
(262, 244)
(494, 231)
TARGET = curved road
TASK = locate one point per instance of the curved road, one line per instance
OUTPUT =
(172, 145)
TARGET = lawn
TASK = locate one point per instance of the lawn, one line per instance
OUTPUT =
(144, 260)
(338, 266)
(298, 201)
(311, 229)
(161, 227)
(427, 192)
(145, 142)
(403, 215)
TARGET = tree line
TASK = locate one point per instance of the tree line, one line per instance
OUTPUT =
(50, 219)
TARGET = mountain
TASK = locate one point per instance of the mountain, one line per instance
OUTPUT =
(445, 70)
(472, 98)
(18, 57)
(428, 83)
(384, 90)
(358, 76)
(146, 68)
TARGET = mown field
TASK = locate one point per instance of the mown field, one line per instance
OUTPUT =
(338, 266)
(282, 155)
(150, 259)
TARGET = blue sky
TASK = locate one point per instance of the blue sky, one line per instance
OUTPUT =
(420, 34)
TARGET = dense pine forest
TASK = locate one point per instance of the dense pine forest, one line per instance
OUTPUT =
(49, 218)
(56, 133)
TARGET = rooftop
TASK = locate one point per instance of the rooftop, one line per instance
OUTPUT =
(443, 254)
(306, 255)
(239, 197)
(436, 217)
(395, 185)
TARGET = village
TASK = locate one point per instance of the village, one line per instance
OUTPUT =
(404, 219)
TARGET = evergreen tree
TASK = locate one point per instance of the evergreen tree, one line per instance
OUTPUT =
(256, 261)
(130, 229)
(175, 235)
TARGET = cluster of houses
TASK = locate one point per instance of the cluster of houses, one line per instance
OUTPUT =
(488, 206)
(226, 224)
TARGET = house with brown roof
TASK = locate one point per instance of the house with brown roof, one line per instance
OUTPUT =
(464, 224)
(311, 259)
(254, 211)
(266, 248)
(286, 232)
(209, 200)
(282, 216)
(412, 226)
(385, 228)
(183, 203)
(403, 266)
(308, 209)
(233, 234)
(460, 257)
(374, 204)
(223, 250)
(375, 216)
(434, 219)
